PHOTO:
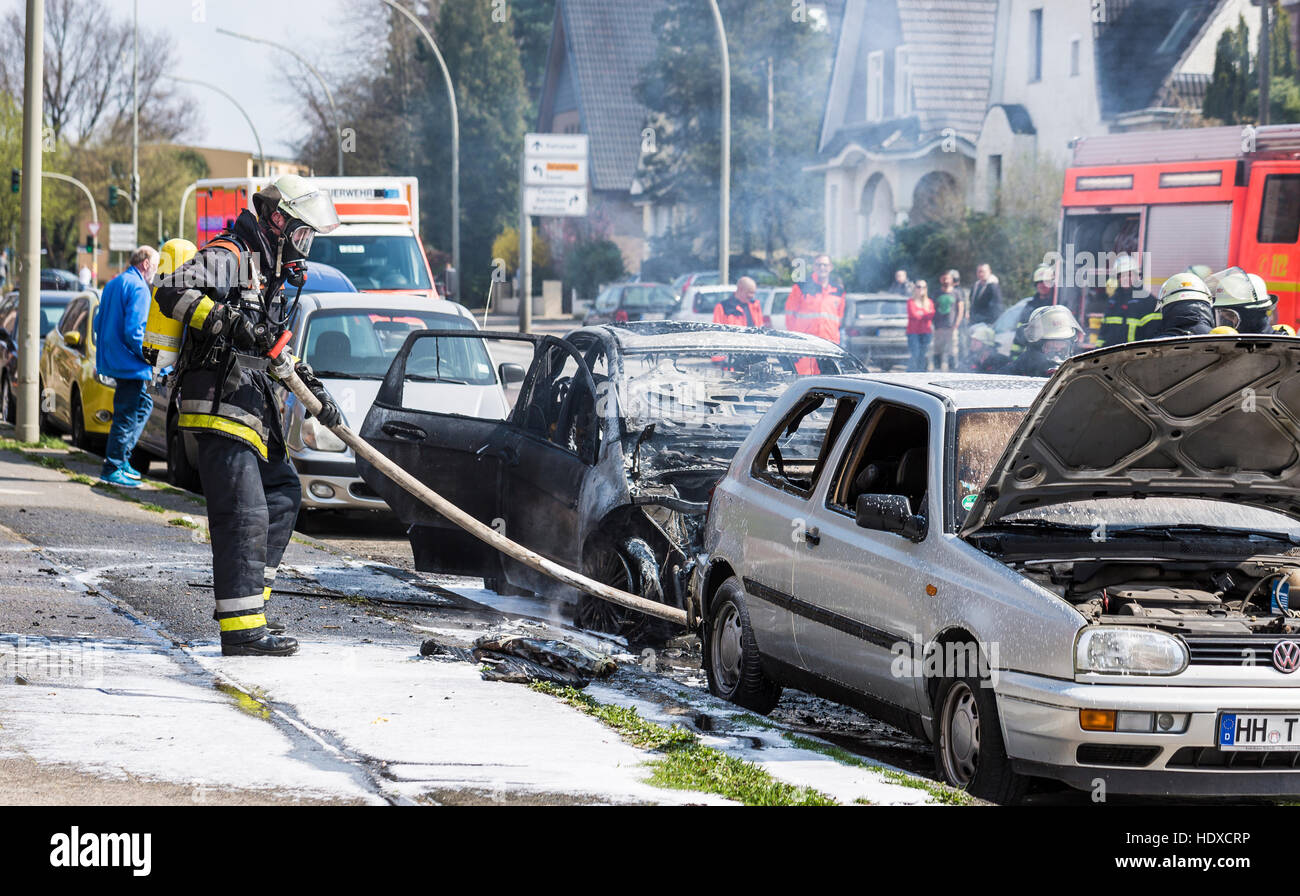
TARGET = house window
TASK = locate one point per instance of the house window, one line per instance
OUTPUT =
(875, 85)
(1035, 45)
(1074, 56)
(902, 83)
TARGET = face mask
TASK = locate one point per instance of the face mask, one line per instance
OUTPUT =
(301, 237)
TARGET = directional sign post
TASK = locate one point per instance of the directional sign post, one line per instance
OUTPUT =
(552, 184)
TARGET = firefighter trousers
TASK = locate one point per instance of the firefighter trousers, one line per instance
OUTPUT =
(252, 508)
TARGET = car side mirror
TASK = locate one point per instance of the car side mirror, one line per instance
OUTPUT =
(890, 513)
(72, 339)
(510, 374)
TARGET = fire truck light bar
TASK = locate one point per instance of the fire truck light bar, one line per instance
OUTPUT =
(1104, 182)
(1191, 179)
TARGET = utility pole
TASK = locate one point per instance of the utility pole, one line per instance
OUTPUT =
(135, 122)
(724, 210)
(1264, 61)
(29, 306)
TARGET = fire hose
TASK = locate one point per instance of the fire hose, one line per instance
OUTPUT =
(282, 368)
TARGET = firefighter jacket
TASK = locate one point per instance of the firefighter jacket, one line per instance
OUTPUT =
(1189, 318)
(738, 314)
(222, 390)
(816, 308)
(1129, 318)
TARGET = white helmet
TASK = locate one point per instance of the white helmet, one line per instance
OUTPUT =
(309, 210)
(1051, 322)
(1184, 287)
(984, 333)
(1126, 264)
(1045, 273)
(1234, 288)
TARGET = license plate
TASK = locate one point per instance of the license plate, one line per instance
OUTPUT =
(1259, 731)
(888, 332)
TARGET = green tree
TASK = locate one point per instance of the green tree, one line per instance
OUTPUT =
(532, 21)
(590, 265)
(772, 197)
(1229, 88)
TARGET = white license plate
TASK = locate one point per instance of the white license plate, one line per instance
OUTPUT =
(1259, 731)
(891, 332)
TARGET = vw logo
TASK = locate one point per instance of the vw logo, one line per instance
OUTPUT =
(1286, 656)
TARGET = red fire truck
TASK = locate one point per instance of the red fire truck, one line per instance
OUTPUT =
(1212, 196)
(377, 243)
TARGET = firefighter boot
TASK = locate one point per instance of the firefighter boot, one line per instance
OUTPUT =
(267, 645)
(274, 626)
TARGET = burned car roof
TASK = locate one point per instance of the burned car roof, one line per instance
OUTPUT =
(666, 335)
(959, 390)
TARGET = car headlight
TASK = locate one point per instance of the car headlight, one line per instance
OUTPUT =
(1129, 651)
(319, 438)
(106, 381)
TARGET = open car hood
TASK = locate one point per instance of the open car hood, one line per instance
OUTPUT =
(1197, 417)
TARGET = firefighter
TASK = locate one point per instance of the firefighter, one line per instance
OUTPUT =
(1051, 335)
(1241, 300)
(1186, 306)
(983, 356)
(1131, 310)
(230, 302)
(1044, 289)
(740, 309)
(816, 306)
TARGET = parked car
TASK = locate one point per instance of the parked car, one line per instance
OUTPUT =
(349, 339)
(773, 299)
(53, 304)
(623, 302)
(699, 301)
(1004, 327)
(875, 328)
(695, 278)
(1082, 583)
(75, 398)
(322, 277)
(606, 462)
(57, 279)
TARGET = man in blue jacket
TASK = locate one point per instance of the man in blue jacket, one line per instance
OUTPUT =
(119, 353)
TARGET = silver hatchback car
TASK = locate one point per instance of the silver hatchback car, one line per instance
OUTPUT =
(1085, 578)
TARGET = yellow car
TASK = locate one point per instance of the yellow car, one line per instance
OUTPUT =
(74, 398)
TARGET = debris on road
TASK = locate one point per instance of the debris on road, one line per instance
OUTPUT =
(522, 660)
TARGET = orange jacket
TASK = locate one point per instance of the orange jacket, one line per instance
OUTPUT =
(739, 319)
(816, 308)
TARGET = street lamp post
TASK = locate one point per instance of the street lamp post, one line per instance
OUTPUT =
(29, 305)
(94, 216)
(258, 140)
(338, 127)
(180, 220)
(455, 137)
(135, 120)
(724, 210)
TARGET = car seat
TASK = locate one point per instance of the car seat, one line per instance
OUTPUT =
(333, 351)
(911, 477)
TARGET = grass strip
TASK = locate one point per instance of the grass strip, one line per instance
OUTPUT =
(941, 793)
(686, 764)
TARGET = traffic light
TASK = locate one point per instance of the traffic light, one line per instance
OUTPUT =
(90, 243)
(15, 180)
(112, 195)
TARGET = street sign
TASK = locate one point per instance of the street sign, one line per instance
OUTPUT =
(121, 237)
(555, 172)
(555, 202)
(555, 145)
(93, 227)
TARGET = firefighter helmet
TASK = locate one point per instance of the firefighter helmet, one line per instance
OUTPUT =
(1045, 273)
(1051, 322)
(1185, 287)
(1234, 288)
(1126, 264)
(983, 333)
(307, 210)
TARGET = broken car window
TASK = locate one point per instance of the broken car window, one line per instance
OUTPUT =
(794, 456)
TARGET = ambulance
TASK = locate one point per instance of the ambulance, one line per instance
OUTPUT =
(1206, 196)
(377, 243)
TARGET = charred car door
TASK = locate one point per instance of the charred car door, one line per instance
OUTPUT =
(550, 452)
(460, 457)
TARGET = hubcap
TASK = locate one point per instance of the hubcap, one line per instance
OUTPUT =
(727, 649)
(961, 734)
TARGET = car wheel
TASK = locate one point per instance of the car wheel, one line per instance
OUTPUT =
(77, 421)
(179, 470)
(607, 565)
(7, 410)
(731, 658)
(44, 423)
(968, 747)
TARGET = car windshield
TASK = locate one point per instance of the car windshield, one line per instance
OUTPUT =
(385, 261)
(359, 343)
(882, 308)
(982, 437)
(710, 400)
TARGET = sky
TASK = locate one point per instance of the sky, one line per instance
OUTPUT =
(252, 72)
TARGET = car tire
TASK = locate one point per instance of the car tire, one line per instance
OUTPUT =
(77, 423)
(44, 422)
(731, 658)
(8, 410)
(607, 565)
(968, 748)
(179, 470)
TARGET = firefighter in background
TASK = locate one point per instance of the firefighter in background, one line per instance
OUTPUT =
(983, 356)
(1044, 295)
(740, 309)
(1051, 336)
(229, 299)
(816, 307)
(1241, 301)
(1186, 306)
(1131, 310)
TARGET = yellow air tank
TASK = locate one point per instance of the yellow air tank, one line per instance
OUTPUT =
(162, 335)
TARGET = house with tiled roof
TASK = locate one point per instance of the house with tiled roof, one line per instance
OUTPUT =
(931, 101)
(598, 49)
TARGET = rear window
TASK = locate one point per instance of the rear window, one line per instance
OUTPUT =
(1279, 212)
(881, 308)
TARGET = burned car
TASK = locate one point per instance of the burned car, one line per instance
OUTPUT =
(1088, 583)
(606, 462)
